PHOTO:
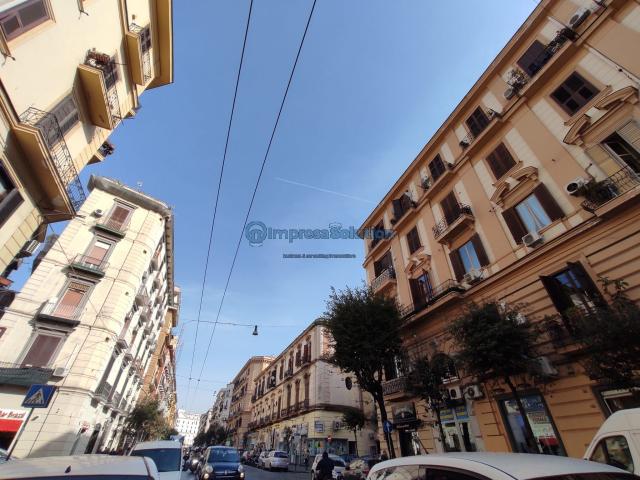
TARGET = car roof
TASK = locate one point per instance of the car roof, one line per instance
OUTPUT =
(80, 465)
(157, 444)
(628, 419)
(521, 466)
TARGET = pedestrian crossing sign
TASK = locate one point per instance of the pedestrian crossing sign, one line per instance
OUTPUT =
(38, 396)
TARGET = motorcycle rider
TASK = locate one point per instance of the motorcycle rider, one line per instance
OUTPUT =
(324, 469)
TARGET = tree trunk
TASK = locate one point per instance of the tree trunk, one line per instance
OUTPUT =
(444, 443)
(355, 438)
(383, 416)
(528, 432)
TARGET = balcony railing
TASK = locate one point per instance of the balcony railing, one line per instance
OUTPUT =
(101, 62)
(104, 390)
(115, 227)
(471, 136)
(440, 228)
(142, 297)
(95, 266)
(59, 311)
(396, 385)
(23, 375)
(51, 132)
(387, 275)
(598, 193)
(435, 294)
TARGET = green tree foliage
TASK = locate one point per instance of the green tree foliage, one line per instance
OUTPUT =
(365, 336)
(215, 435)
(492, 341)
(145, 422)
(354, 419)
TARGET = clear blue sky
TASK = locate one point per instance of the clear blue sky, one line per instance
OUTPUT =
(375, 80)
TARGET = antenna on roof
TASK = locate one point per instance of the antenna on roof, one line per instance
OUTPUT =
(139, 184)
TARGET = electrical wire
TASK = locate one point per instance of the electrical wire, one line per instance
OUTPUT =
(215, 207)
(253, 196)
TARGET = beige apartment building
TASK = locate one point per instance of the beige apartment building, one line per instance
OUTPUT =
(526, 194)
(88, 321)
(71, 71)
(299, 401)
(240, 405)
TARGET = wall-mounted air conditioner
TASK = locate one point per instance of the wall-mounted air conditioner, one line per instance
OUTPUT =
(532, 239)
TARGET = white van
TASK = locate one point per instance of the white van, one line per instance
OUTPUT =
(166, 454)
(617, 443)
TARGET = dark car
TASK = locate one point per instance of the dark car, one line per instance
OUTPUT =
(221, 463)
(359, 468)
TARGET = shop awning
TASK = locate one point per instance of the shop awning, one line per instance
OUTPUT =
(9, 425)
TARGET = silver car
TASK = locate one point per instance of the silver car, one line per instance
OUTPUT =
(277, 460)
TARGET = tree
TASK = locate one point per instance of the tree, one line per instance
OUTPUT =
(216, 434)
(365, 337)
(145, 422)
(426, 382)
(354, 419)
(492, 341)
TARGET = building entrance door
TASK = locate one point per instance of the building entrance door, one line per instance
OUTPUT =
(457, 431)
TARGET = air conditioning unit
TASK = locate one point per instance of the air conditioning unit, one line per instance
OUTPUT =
(60, 372)
(473, 392)
(455, 393)
(532, 239)
(578, 17)
(509, 93)
(29, 248)
(574, 186)
(472, 276)
(98, 213)
(546, 367)
(337, 425)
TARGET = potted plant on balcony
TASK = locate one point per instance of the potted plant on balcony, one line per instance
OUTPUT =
(425, 183)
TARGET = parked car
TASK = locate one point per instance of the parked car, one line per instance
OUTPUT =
(338, 466)
(261, 463)
(166, 454)
(495, 466)
(84, 467)
(276, 459)
(617, 442)
(221, 463)
(359, 468)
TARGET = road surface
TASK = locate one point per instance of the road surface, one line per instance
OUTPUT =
(252, 473)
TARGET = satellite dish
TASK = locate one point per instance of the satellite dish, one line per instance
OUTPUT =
(348, 383)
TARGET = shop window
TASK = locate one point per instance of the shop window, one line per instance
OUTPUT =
(574, 93)
(544, 432)
(572, 288)
(614, 451)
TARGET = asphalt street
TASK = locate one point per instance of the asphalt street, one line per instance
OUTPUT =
(252, 473)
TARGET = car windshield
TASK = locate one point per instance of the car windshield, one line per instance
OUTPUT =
(337, 461)
(166, 459)
(229, 455)
(280, 455)
(590, 476)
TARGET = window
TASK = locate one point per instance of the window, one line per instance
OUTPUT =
(572, 288)
(98, 252)
(71, 299)
(24, 17)
(614, 451)
(413, 239)
(437, 168)
(532, 214)
(500, 161)
(469, 256)
(421, 290)
(619, 399)
(145, 39)
(574, 93)
(66, 112)
(402, 205)
(119, 216)
(385, 263)
(533, 59)
(450, 207)
(10, 198)
(378, 234)
(42, 349)
(624, 151)
(477, 122)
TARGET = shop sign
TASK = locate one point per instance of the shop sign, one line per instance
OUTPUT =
(9, 414)
(318, 426)
(446, 415)
(461, 412)
(404, 412)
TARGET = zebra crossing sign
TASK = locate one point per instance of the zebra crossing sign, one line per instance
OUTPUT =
(38, 396)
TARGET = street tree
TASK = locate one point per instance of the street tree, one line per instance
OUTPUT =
(493, 341)
(145, 422)
(354, 419)
(364, 337)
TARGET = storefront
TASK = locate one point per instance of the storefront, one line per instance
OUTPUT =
(10, 422)
(457, 429)
(406, 424)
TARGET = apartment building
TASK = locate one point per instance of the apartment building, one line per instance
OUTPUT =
(526, 194)
(240, 405)
(160, 378)
(222, 405)
(88, 321)
(299, 400)
(187, 425)
(71, 72)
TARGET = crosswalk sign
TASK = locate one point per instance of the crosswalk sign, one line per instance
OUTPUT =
(38, 396)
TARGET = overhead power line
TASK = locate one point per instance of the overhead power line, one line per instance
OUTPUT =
(215, 207)
(255, 189)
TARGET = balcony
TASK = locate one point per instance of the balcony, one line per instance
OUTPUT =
(86, 264)
(142, 297)
(306, 359)
(113, 227)
(288, 373)
(52, 311)
(608, 191)
(139, 47)
(459, 220)
(384, 280)
(107, 148)
(396, 388)
(46, 151)
(23, 375)
(401, 206)
(99, 75)
(103, 392)
(471, 137)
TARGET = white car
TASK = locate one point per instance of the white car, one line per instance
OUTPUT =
(86, 467)
(166, 454)
(338, 465)
(276, 459)
(494, 466)
(262, 459)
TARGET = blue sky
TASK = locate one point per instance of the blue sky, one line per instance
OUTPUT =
(375, 80)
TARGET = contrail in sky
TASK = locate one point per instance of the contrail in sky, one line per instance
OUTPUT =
(324, 190)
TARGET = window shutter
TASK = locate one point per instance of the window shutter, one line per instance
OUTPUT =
(556, 293)
(587, 282)
(415, 291)
(548, 202)
(530, 61)
(480, 252)
(119, 216)
(602, 159)
(516, 227)
(42, 350)
(397, 208)
(456, 263)
(436, 167)
(631, 133)
(413, 240)
(450, 207)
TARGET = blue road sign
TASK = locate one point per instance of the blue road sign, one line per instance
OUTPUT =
(38, 396)
(387, 426)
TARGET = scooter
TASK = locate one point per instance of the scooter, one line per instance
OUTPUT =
(194, 464)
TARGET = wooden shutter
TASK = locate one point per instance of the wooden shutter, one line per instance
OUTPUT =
(397, 208)
(588, 284)
(450, 207)
(602, 159)
(456, 263)
(530, 61)
(477, 121)
(98, 252)
(480, 252)
(71, 299)
(631, 133)
(413, 240)
(500, 161)
(41, 351)
(516, 227)
(548, 202)
(436, 167)
(556, 293)
(66, 112)
(119, 216)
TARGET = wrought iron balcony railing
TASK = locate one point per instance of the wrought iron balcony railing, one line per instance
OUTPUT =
(104, 390)
(441, 227)
(386, 275)
(471, 136)
(395, 385)
(112, 226)
(433, 296)
(54, 309)
(51, 132)
(96, 266)
(599, 193)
